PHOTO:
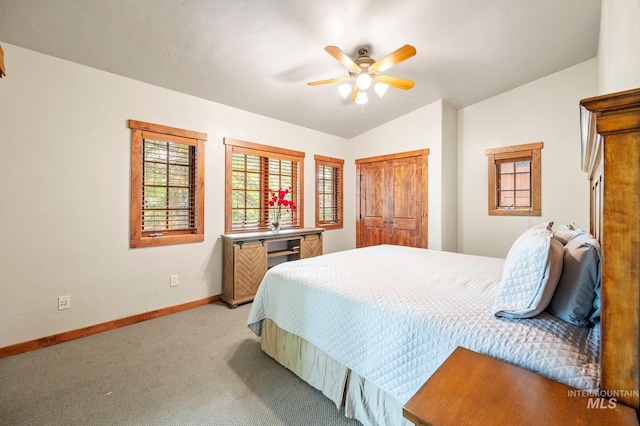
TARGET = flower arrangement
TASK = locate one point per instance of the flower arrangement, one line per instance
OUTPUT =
(278, 199)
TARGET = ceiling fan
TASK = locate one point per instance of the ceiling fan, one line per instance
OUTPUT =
(366, 72)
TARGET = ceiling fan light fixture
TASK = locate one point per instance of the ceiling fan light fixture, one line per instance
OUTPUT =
(366, 73)
(381, 88)
(363, 81)
(344, 90)
(361, 98)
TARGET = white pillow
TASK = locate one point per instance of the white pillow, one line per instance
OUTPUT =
(531, 272)
(544, 228)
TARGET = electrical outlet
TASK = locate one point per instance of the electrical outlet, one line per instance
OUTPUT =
(174, 281)
(64, 302)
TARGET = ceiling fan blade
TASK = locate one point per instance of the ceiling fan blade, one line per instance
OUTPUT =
(342, 58)
(355, 93)
(331, 80)
(398, 83)
(393, 58)
(2, 69)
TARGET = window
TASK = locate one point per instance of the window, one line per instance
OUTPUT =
(515, 180)
(252, 172)
(329, 196)
(167, 185)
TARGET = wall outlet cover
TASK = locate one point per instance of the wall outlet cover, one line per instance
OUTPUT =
(64, 302)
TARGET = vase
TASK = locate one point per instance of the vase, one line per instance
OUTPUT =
(275, 227)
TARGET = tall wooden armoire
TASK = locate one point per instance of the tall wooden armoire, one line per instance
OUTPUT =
(392, 199)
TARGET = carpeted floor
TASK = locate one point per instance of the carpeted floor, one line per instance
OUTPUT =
(197, 367)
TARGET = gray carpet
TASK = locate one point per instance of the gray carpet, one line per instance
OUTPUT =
(197, 367)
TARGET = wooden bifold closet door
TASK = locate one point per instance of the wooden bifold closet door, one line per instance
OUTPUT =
(392, 200)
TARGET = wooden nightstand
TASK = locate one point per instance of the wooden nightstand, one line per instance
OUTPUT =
(470, 388)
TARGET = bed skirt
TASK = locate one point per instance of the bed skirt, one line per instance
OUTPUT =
(361, 399)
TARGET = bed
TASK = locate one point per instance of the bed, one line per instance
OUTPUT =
(399, 312)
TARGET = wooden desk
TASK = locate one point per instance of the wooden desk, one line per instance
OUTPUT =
(470, 388)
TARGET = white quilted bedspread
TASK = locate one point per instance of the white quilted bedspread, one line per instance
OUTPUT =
(394, 314)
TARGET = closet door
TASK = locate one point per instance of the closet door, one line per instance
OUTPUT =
(405, 203)
(372, 223)
(392, 200)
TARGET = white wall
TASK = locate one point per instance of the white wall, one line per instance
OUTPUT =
(545, 110)
(619, 46)
(419, 129)
(449, 177)
(64, 215)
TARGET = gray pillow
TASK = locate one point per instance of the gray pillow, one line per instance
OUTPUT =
(575, 298)
(595, 316)
(531, 272)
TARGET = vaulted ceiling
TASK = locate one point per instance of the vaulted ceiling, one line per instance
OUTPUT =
(259, 55)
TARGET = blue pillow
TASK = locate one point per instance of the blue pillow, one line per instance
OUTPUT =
(575, 298)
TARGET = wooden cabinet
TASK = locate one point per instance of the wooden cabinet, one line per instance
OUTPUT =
(392, 200)
(248, 256)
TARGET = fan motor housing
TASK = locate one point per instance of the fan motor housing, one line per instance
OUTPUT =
(364, 61)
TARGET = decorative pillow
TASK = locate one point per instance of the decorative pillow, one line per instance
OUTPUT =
(541, 228)
(566, 233)
(531, 272)
(575, 298)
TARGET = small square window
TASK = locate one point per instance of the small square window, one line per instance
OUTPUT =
(515, 180)
(514, 184)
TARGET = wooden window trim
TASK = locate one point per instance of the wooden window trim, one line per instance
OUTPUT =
(337, 164)
(530, 152)
(236, 145)
(137, 237)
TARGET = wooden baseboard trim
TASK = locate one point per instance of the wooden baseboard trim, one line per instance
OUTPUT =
(43, 342)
